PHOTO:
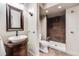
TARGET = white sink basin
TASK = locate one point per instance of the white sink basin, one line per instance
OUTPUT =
(17, 39)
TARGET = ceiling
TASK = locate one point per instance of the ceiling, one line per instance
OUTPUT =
(55, 11)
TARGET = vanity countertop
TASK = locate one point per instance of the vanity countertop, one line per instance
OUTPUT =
(17, 39)
(7, 42)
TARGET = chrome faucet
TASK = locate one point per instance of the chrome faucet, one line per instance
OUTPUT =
(16, 33)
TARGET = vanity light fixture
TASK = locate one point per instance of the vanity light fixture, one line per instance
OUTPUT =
(31, 13)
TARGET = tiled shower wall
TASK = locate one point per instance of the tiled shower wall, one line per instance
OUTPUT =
(56, 29)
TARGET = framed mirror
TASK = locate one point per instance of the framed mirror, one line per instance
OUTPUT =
(14, 19)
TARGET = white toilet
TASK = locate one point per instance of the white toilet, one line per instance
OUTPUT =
(43, 45)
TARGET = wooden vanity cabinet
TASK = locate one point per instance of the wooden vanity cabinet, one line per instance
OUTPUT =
(19, 49)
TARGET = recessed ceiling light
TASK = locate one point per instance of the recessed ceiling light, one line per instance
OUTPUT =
(46, 11)
(59, 6)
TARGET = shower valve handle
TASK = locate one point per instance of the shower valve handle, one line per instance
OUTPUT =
(72, 32)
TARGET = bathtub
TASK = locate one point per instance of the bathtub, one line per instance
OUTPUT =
(57, 46)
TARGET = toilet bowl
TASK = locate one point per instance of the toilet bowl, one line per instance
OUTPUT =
(43, 45)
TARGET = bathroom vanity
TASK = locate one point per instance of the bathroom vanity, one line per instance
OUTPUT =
(15, 45)
(16, 49)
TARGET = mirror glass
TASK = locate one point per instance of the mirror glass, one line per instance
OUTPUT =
(15, 19)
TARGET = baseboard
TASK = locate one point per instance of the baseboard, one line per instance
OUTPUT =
(31, 53)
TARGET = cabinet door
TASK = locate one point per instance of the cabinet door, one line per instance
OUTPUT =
(72, 30)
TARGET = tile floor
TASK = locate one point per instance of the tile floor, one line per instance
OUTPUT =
(53, 52)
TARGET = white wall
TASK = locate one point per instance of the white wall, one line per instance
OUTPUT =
(44, 28)
(72, 25)
(3, 31)
(39, 22)
(33, 44)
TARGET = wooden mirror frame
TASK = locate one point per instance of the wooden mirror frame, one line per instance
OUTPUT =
(8, 19)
